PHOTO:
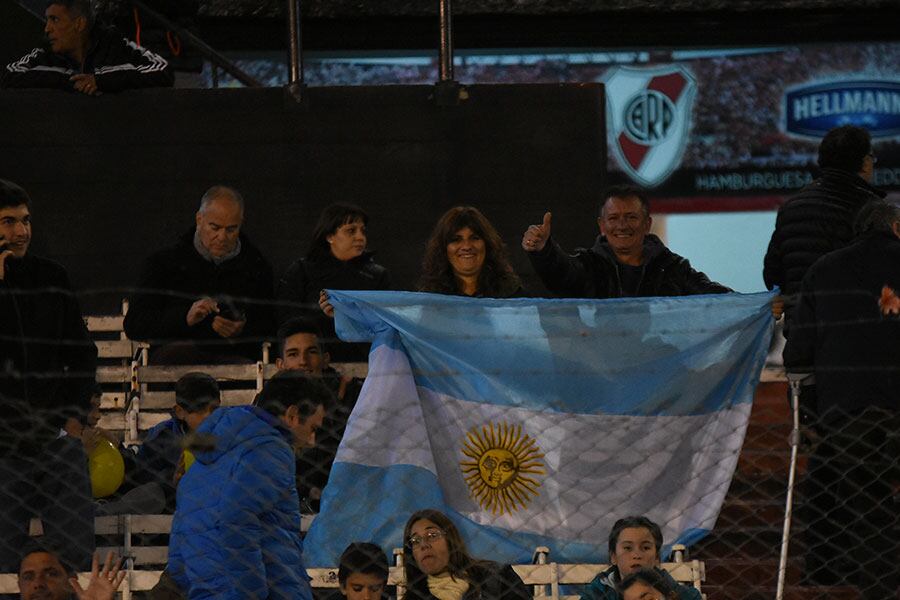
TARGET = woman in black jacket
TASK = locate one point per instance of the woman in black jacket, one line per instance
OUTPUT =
(438, 566)
(337, 259)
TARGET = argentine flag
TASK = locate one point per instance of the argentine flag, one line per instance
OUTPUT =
(535, 422)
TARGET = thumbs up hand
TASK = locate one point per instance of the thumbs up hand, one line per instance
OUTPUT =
(536, 236)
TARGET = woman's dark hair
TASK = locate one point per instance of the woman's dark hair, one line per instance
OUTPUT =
(332, 218)
(460, 562)
(497, 278)
(655, 578)
(362, 557)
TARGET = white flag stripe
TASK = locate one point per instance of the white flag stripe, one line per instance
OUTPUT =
(675, 469)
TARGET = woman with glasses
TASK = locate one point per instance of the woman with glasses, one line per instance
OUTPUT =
(438, 566)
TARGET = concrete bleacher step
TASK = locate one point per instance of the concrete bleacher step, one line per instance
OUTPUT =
(741, 553)
(758, 513)
(791, 592)
(751, 573)
(740, 543)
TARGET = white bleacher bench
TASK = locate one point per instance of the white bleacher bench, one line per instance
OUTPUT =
(541, 575)
(148, 408)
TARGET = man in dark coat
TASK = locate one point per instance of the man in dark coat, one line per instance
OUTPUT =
(47, 369)
(820, 217)
(626, 260)
(846, 331)
(84, 58)
(208, 298)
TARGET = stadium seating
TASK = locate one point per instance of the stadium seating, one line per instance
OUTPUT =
(540, 574)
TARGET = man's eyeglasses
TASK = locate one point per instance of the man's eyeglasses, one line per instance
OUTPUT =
(431, 536)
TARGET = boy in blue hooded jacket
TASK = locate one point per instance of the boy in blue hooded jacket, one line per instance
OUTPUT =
(236, 531)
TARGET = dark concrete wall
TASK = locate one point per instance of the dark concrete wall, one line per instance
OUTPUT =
(114, 178)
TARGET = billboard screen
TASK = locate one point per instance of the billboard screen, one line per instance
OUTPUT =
(713, 129)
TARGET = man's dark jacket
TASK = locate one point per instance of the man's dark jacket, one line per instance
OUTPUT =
(174, 278)
(816, 221)
(116, 63)
(47, 361)
(840, 332)
(595, 272)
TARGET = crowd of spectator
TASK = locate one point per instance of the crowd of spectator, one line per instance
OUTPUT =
(212, 297)
(206, 293)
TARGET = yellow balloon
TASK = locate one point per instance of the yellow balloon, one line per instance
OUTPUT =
(106, 467)
(188, 460)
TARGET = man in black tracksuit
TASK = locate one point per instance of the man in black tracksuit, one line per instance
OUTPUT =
(626, 259)
(47, 369)
(208, 298)
(847, 331)
(84, 58)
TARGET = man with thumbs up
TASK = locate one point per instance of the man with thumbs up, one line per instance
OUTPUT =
(626, 260)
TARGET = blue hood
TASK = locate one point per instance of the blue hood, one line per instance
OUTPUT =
(235, 426)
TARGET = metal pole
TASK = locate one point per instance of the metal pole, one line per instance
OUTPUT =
(795, 380)
(205, 49)
(445, 51)
(295, 50)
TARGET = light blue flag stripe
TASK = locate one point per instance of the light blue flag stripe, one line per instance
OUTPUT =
(639, 356)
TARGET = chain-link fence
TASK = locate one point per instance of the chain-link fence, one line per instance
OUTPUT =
(683, 448)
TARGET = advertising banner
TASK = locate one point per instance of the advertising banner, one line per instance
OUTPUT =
(716, 129)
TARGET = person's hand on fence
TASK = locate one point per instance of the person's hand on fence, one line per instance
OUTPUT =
(103, 583)
(536, 236)
(85, 83)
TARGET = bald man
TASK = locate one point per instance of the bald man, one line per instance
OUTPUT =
(207, 299)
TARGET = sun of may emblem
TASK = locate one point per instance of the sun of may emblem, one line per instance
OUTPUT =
(504, 461)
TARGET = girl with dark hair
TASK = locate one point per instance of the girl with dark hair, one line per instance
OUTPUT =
(438, 566)
(337, 259)
(465, 256)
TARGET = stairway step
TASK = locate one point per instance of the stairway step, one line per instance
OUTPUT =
(791, 592)
(760, 573)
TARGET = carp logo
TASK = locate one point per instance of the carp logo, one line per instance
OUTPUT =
(502, 466)
(649, 119)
